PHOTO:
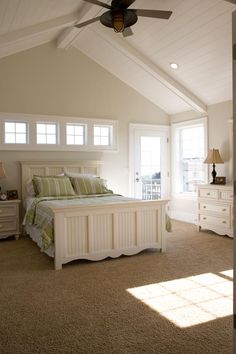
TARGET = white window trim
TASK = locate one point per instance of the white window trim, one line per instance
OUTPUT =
(16, 121)
(33, 119)
(85, 133)
(110, 135)
(57, 132)
(174, 157)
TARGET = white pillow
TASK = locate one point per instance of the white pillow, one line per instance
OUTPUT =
(75, 174)
(29, 189)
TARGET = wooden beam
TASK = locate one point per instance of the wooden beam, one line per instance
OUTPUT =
(88, 11)
(35, 30)
(178, 89)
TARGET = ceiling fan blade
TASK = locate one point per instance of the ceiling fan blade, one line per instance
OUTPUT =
(82, 24)
(127, 32)
(232, 1)
(99, 3)
(153, 13)
(122, 4)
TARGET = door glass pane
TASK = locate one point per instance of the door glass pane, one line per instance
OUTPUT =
(151, 167)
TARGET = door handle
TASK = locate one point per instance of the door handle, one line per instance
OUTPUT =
(137, 179)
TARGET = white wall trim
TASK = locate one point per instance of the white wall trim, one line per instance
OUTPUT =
(32, 119)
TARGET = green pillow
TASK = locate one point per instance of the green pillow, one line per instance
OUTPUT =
(53, 186)
(89, 185)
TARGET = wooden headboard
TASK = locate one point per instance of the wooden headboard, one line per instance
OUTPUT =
(52, 168)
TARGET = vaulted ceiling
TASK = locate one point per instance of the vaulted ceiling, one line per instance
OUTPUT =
(197, 37)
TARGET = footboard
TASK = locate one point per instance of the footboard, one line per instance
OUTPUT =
(96, 232)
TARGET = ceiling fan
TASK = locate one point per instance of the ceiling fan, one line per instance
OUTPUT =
(120, 18)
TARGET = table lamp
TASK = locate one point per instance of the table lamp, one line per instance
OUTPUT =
(213, 157)
(2, 173)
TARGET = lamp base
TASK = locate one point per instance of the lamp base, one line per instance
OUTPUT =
(213, 173)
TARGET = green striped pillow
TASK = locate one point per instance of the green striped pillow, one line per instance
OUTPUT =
(89, 185)
(51, 186)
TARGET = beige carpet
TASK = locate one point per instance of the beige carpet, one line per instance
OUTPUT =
(86, 308)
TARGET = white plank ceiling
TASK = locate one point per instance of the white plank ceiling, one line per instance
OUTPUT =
(197, 37)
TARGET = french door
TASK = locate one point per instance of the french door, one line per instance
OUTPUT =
(149, 161)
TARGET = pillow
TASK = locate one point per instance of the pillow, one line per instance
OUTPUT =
(53, 186)
(30, 188)
(76, 174)
(89, 185)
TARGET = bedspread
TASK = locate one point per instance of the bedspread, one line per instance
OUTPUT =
(40, 214)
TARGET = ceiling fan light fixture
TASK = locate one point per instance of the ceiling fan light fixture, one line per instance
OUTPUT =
(118, 21)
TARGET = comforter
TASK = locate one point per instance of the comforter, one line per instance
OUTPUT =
(40, 213)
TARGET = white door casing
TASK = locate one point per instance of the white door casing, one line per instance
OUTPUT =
(137, 132)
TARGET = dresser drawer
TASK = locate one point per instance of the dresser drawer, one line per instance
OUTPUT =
(8, 210)
(226, 195)
(224, 222)
(8, 225)
(225, 209)
(208, 193)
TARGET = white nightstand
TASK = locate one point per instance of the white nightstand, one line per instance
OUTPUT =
(215, 208)
(9, 218)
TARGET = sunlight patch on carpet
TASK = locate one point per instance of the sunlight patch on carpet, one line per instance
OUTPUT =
(190, 301)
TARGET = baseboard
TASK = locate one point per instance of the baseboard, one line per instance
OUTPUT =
(187, 217)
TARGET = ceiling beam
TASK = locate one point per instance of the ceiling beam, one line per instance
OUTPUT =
(68, 36)
(143, 62)
(232, 1)
(35, 30)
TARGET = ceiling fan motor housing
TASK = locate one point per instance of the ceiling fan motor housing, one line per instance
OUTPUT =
(127, 18)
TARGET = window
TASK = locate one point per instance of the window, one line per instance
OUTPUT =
(102, 135)
(15, 133)
(56, 133)
(46, 133)
(189, 153)
(75, 134)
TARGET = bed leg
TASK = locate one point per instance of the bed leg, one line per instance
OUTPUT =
(57, 265)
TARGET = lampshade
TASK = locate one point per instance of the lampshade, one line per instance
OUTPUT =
(2, 171)
(213, 157)
(118, 21)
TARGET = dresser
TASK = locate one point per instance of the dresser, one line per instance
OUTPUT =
(9, 218)
(215, 208)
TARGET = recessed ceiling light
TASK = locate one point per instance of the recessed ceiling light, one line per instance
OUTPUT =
(174, 66)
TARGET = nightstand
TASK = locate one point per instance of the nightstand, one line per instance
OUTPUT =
(9, 218)
(215, 208)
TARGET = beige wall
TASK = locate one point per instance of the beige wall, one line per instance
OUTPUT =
(219, 137)
(46, 80)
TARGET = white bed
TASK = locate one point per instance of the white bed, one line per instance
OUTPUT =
(96, 232)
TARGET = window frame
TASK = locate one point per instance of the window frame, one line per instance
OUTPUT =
(57, 133)
(61, 121)
(84, 133)
(110, 134)
(176, 176)
(15, 121)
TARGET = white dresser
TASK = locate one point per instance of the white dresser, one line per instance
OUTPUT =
(9, 218)
(215, 208)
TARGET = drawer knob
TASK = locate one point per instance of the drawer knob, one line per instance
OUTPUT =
(1, 211)
(208, 193)
(204, 206)
(204, 218)
(1, 226)
(224, 209)
(224, 222)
